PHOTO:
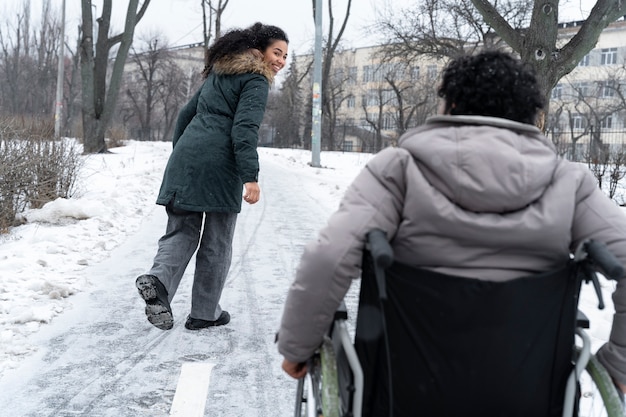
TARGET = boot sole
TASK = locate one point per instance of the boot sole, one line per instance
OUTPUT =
(158, 314)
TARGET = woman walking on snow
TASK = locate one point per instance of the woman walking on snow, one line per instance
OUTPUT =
(213, 163)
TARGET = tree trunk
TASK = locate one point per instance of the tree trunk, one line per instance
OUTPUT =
(329, 51)
(98, 103)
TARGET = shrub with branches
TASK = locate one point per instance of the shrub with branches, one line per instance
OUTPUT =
(33, 171)
(608, 165)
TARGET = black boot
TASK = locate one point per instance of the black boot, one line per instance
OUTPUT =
(197, 324)
(158, 308)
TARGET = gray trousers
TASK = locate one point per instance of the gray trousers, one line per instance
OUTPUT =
(184, 235)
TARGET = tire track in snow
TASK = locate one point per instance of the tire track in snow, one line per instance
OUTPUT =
(269, 241)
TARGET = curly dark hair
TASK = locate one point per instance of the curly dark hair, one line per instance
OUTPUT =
(258, 36)
(491, 83)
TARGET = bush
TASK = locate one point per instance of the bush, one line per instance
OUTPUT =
(608, 165)
(33, 171)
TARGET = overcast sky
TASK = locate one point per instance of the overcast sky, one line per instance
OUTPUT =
(181, 20)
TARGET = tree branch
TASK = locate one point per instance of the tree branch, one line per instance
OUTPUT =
(118, 38)
(512, 37)
(603, 13)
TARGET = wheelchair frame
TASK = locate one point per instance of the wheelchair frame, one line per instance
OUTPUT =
(591, 256)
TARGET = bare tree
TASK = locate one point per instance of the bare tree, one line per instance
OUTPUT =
(45, 43)
(304, 78)
(539, 45)
(555, 130)
(592, 108)
(443, 28)
(155, 89)
(144, 93)
(284, 110)
(175, 94)
(529, 27)
(214, 20)
(414, 95)
(98, 103)
(617, 172)
(608, 165)
(335, 87)
(28, 63)
(71, 94)
(380, 99)
(14, 46)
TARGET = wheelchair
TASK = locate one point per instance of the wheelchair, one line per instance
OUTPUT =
(430, 344)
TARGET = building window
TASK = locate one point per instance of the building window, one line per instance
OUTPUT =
(368, 73)
(607, 90)
(607, 122)
(381, 72)
(396, 71)
(352, 75)
(431, 72)
(578, 122)
(609, 56)
(350, 102)
(372, 73)
(348, 146)
(557, 92)
(337, 77)
(584, 62)
(415, 73)
(389, 98)
(388, 122)
(581, 89)
(369, 99)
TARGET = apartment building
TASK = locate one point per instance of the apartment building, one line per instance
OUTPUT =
(374, 102)
(589, 103)
(371, 98)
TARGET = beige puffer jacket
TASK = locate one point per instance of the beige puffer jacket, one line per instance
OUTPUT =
(473, 196)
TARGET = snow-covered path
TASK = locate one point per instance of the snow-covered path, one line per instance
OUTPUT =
(102, 358)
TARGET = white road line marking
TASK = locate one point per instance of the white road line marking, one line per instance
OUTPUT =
(192, 390)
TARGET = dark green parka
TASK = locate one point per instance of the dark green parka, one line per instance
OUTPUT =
(216, 136)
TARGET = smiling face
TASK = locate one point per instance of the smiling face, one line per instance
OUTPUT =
(276, 55)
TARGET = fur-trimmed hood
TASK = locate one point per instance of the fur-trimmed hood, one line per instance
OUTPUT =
(243, 63)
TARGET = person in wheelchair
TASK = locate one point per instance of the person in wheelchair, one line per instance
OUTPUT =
(477, 192)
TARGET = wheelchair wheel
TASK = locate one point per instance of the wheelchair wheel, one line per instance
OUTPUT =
(308, 398)
(317, 393)
(306, 405)
(599, 396)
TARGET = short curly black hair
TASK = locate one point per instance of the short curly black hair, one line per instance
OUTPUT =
(491, 83)
(235, 41)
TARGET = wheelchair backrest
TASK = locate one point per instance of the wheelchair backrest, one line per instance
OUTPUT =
(458, 346)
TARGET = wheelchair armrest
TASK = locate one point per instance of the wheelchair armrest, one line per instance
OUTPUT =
(342, 312)
(581, 320)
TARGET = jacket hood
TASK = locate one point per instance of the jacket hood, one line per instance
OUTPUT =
(483, 164)
(243, 63)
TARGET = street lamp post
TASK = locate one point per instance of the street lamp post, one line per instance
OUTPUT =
(58, 108)
(317, 88)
